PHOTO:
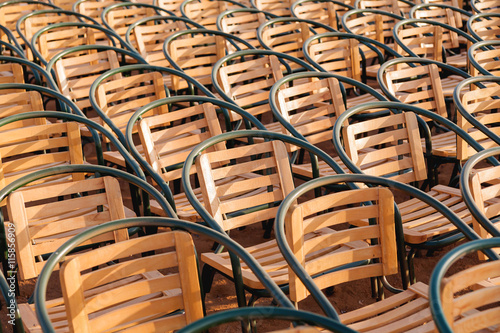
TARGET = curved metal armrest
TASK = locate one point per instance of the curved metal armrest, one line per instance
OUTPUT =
(265, 312)
(477, 17)
(484, 45)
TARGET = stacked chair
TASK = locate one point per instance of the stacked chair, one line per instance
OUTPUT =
(305, 140)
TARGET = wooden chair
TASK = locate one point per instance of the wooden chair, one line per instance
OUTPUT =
(149, 34)
(247, 82)
(242, 203)
(450, 13)
(374, 24)
(92, 9)
(11, 12)
(480, 104)
(243, 22)
(483, 58)
(398, 7)
(421, 86)
(148, 301)
(315, 257)
(459, 305)
(402, 160)
(173, 6)
(116, 100)
(347, 56)
(484, 6)
(309, 110)
(208, 45)
(287, 35)
(30, 23)
(77, 68)
(484, 26)
(167, 139)
(328, 12)
(205, 12)
(47, 217)
(280, 8)
(11, 73)
(432, 40)
(120, 16)
(55, 38)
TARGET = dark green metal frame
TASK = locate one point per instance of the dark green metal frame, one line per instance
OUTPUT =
(266, 312)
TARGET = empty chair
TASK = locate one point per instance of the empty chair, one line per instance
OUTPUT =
(484, 26)
(121, 15)
(173, 6)
(484, 6)
(280, 8)
(149, 34)
(465, 300)
(148, 300)
(248, 81)
(30, 23)
(328, 12)
(92, 8)
(205, 12)
(208, 45)
(483, 58)
(77, 68)
(398, 7)
(315, 264)
(449, 13)
(55, 38)
(287, 35)
(243, 22)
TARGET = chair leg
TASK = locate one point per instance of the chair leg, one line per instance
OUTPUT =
(411, 269)
(207, 278)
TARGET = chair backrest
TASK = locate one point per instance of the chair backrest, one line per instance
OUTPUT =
(484, 58)
(11, 73)
(132, 291)
(247, 83)
(338, 56)
(482, 104)
(12, 11)
(277, 7)
(387, 147)
(322, 254)
(59, 37)
(243, 185)
(27, 149)
(326, 11)
(484, 26)
(286, 36)
(484, 6)
(208, 48)
(440, 12)
(374, 24)
(242, 23)
(419, 85)
(485, 191)
(173, 6)
(205, 12)
(92, 9)
(46, 217)
(311, 107)
(19, 102)
(77, 70)
(391, 6)
(29, 24)
(119, 98)
(169, 138)
(150, 33)
(423, 41)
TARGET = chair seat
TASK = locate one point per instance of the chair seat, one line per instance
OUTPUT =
(305, 170)
(444, 144)
(271, 259)
(403, 312)
(57, 310)
(366, 98)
